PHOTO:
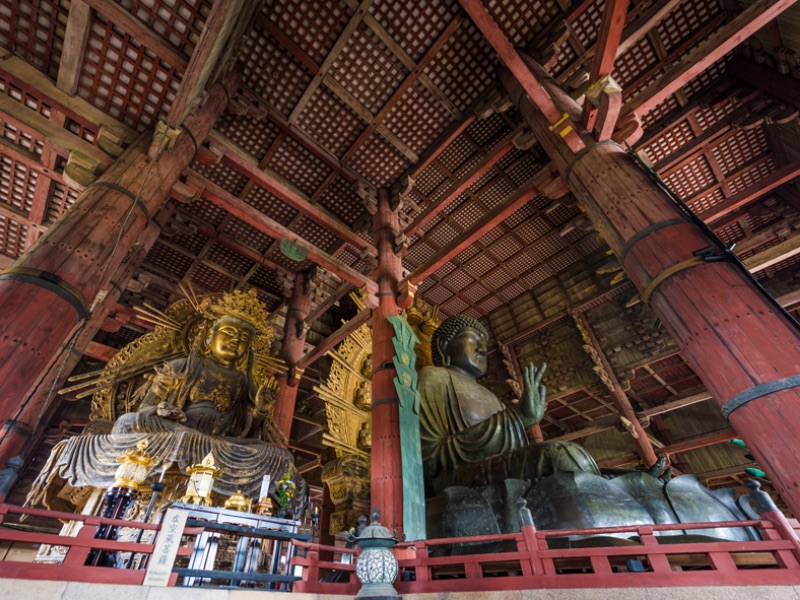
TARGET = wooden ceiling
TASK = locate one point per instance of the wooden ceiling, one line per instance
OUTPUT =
(341, 97)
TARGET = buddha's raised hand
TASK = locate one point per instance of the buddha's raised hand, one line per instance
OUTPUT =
(534, 396)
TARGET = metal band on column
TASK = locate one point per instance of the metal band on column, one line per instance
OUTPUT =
(50, 282)
(758, 391)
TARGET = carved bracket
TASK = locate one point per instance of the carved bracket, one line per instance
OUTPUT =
(164, 138)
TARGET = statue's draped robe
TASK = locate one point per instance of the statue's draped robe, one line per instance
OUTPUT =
(470, 438)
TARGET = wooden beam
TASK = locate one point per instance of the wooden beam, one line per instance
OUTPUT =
(635, 31)
(59, 137)
(762, 77)
(516, 65)
(337, 336)
(462, 185)
(409, 80)
(474, 233)
(608, 40)
(250, 215)
(674, 405)
(702, 56)
(74, 107)
(6, 261)
(692, 443)
(120, 17)
(218, 27)
(323, 307)
(79, 23)
(330, 59)
(773, 255)
(275, 184)
(751, 193)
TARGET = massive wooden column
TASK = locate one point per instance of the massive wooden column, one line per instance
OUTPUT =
(387, 469)
(22, 428)
(292, 350)
(50, 289)
(743, 347)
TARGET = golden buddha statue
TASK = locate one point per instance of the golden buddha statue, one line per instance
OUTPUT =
(197, 384)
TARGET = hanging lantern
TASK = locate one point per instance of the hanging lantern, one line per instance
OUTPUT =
(134, 467)
(201, 480)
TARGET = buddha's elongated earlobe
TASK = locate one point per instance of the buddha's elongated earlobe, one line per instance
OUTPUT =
(446, 360)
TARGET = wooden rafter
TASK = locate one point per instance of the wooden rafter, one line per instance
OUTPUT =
(275, 184)
(330, 59)
(706, 53)
(410, 79)
(120, 17)
(337, 336)
(79, 23)
(273, 229)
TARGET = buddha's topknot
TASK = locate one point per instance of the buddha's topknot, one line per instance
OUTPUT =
(448, 330)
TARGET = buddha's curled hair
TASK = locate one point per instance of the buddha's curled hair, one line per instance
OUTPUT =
(449, 329)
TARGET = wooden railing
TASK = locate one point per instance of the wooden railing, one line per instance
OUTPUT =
(528, 563)
(131, 558)
(515, 561)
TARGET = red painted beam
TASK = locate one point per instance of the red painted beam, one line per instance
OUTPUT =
(434, 209)
(714, 47)
(474, 233)
(248, 166)
(751, 193)
(252, 216)
(608, 40)
(512, 60)
(337, 336)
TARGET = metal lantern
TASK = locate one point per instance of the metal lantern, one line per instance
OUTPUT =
(376, 566)
(238, 502)
(134, 467)
(201, 480)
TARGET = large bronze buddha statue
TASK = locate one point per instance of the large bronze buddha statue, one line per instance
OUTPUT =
(468, 437)
(478, 462)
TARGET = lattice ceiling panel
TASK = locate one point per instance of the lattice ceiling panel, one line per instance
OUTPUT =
(125, 79)
(634, 62)
(254, 136)
(224, 176)
(669, 142)
(368, 70)
(178, 22)
(330, 121)
(661, 110)
(61, 198)
(232, 262)
(691, 178)
(468, 49)
(378, 161)
(317, 235)
(26, 139)
(299, 166)
(314, 25)
(759, 171)
(270, 205)
(192, 242)
(271, 72)
(13, 237)
(413, 24)
(587, 25)
(246, 234)
(418, 118)
(522, 19)
(17, 185)
(205, 212)
(685, 19)
(266, 279)
(341, 200)
(167, 261)
(740, 149)
(35, 31)
(210, 279)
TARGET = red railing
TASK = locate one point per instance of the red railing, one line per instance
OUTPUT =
(79, 547)
(530, 564)
(524, 562)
